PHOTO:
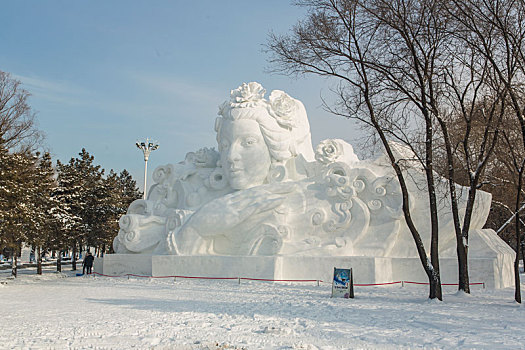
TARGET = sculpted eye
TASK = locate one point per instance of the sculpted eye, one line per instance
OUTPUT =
(249, 141)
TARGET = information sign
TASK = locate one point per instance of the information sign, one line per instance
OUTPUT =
(343, 283)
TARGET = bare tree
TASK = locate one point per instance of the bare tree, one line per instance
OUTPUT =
(504, 171)
(384, 55)
(17, 119)
(410, 70)
(519, 168)
(495, 29)
(473, 107)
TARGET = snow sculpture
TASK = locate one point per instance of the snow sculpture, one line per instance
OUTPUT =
(266, 192)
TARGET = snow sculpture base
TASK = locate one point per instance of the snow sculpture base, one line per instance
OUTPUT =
(491, 261)
(495, 272)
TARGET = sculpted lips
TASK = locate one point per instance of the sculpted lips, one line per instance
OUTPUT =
(236, 171)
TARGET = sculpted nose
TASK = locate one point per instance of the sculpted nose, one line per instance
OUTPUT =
(233, 154)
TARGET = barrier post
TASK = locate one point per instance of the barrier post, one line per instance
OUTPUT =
(483, 285)
(128, 276)
(317, 283)
(174, 279)
(402, 284)
(239, 280)
(351, 284)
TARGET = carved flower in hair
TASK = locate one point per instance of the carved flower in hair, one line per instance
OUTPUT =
(247, 95)
(203, 158)
(284, 108)
(328, 151)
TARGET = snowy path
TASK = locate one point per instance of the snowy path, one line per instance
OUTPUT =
(102, 313)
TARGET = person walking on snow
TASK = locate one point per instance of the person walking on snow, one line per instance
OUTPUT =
(88, 263)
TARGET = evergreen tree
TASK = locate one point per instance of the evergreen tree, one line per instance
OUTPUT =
(107, 209)
(91, 196)
(45, 206)
(93, 203)
(120, 190)
(6, 194)
(58, 209)
(68, 223)
(129, 190)
(16, 209)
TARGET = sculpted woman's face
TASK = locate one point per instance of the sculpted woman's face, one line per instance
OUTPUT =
(244, 155)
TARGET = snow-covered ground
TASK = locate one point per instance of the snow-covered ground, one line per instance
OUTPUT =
(60, 311)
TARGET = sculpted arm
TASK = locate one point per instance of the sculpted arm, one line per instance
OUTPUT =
(221, 216)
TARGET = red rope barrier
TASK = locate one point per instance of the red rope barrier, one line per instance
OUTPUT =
(287, 280)
(375, 284)
(133, 275)
(270, 280)
(100, 274)
(205, 278)
(445, 284)
(174, 276)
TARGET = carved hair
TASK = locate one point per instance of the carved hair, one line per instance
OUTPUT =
(282, 120)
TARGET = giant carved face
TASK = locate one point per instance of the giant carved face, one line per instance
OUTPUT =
(244, 155)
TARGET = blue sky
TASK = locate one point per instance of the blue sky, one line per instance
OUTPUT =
(104, 74)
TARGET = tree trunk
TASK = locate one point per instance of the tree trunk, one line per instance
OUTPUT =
(517, 286)
(59, 261)
(14, 261)
(433, 279)
(464, 244)
(463, 248)
(74, 258)
(463, 280)
(517, 291)
(523, 251)
(38, 260)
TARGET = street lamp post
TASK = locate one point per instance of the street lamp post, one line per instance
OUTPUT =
(146, 147)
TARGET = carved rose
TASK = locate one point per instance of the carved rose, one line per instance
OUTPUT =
(328, 151)
(203, 158)
(247, 94)
(284, 108)
(162, 173)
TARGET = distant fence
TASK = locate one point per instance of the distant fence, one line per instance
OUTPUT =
(239, 279)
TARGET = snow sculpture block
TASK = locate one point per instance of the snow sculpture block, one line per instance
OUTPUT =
(266, 192)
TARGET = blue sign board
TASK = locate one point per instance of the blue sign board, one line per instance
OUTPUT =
(343, 283)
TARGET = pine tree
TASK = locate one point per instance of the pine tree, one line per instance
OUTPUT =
(67, 221)
(119, 191)
(91, 195)
(45, 206)
(16, 209)
(107, 209)
(91, 203)
(129, 190)
(6, 194)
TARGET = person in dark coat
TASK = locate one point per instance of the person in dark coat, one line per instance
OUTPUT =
(88, 263)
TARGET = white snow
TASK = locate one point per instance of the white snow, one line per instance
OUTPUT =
(43, 312)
